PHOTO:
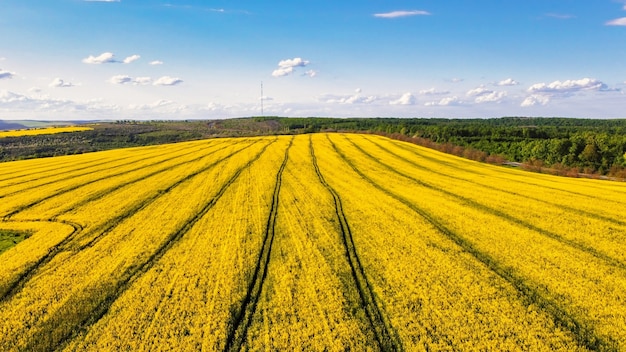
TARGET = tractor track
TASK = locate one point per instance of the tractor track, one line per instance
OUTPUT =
(507, 217)
(442, 174)
(243, 318)
(57, 340)
(74, 187)
(102, 230)
(386, 337)
(583, 331)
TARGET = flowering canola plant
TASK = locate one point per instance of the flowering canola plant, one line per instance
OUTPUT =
(308, 242)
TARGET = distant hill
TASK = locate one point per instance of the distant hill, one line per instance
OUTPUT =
(10, 125)
(21, 124)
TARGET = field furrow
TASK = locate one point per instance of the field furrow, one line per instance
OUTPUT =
(384, 332)
(243, 318)
(191, 294)
(421, 292)
(528, 260)
(79, 240)
(610, 249)
(100, 270)
(324, 242)
(310, 300)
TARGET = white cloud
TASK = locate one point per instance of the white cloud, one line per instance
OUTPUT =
(433, 91)
(143, 80)
(59, 83)
(311, 73)
(35, 90)
(448, 101)
(167, 81)
(131, 58)
(36, 105)
(534, 100)
(356, 98)
(493, 97)
(124, 79)
(618, 21)
(295, 62)
(405, 99)
(457, 80)
(104, 58)
(120, 79)
(286, 67)
(6, 74)
(156, 62)
(478, 92)
(560, 16)
(396, 14)
(282, 71)
(508, 82)
(569, 86)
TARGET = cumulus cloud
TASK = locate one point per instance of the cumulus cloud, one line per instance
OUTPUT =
(396, 14)
(109, 58)
(433, 91)
(104, 58)
(569, 86)
(286, 67)
(484, 95)
(59, 83)
(478, 92)
(124, 79)
(6, 74)
(356, 98)
(37, 105)
(448, 101)
(167, 81)
(492, 97)
(618, 21)
(142, 80)
(156, 62)
(311, 73)
(534, 100)
(405, 99)
(508, 82)
(131, 58)
(120, 79)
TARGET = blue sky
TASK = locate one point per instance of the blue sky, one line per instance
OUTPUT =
(152, 59)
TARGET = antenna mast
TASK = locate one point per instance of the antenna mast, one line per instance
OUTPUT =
(262, 98)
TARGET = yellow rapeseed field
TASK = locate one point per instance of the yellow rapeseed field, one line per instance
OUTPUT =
(322, 242)
(47, 130)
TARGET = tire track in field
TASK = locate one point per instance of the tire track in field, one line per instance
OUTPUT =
(91, 165)
(518, 181)
(507, 217)
(44, 168)
(9, 290)
(108, 173)
(108, 176)
(568, 208)
(386, 337)
(104, 229)
(243, 318)
(110, 190)
(104, 296)
(582, 330)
